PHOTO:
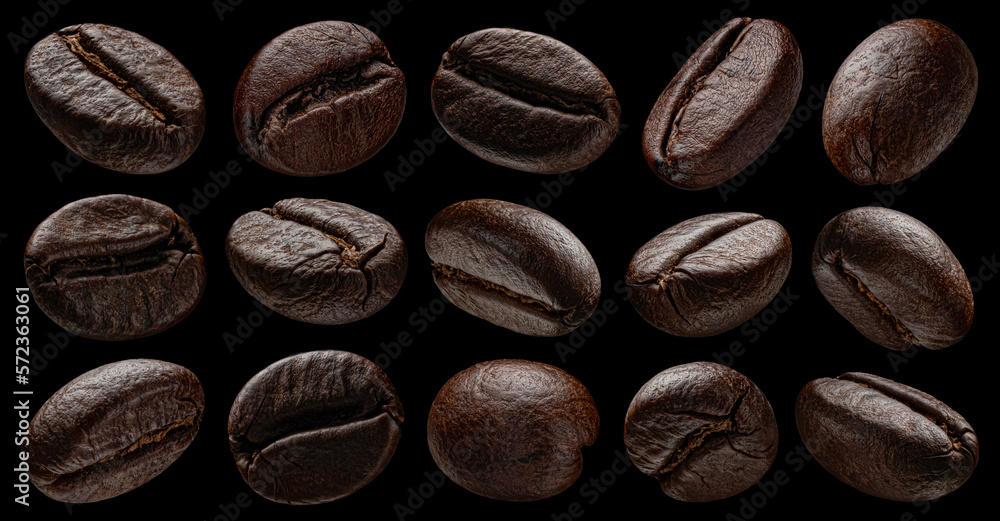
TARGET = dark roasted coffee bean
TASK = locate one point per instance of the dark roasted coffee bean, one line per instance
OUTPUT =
(317, 261)
(898, 101)
(524, 101)
(884, 438)
(115, 267)
(314, 427)
(113, 429)
(513, 266)
(703, 430)
(709, 274)
(725, 106)
(115, 98)
(512, 429)
(319, 99)
(893, 278)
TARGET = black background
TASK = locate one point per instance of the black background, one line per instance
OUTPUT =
(614, 206)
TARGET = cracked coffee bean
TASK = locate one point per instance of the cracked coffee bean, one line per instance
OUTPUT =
(893, 279)
(884, 438)
(703, 430)
(725, 106)
(513, 266)
(512, 429)
(524, 101)
(113, 429)
(314, 427)
(115, 267)
(898, 101)
(115, 98)
(709, 274)
(319, 99)
(317, 261)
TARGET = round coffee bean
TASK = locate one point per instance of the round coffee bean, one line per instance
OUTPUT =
(709, 274)
(524, 101)
(898, 101)
(319, 99)
(314, 427)
(115, 98)
(113, 429)
(317, 261)
(725, 106)
(115, 267)
(893, 278)
(512, 429)
(704, 431)
(885, 438)
(513, 266)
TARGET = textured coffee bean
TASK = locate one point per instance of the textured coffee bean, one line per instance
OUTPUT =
(115, 98)
(319, 99)
(314, 427)
(725, 106)
(898, 101)
(885, 438)
(113, 429)
(704, 431)
(115, 267)
(893, 278)
(512, 429)
(317, 261)
(524, 101)
(513, 266)
(709, 274)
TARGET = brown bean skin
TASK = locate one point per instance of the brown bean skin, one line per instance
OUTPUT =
(884, 438)
(897, 101)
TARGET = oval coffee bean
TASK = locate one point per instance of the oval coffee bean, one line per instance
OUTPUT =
(319, 99)
(113, 429)
(115, 98)
(898, 101)
(314, 427)
(703, 430)
(317, 261)
(709, 274)
(512, 429)
(513, 266)
(884, 438)
(524, 101)
(725, 106)
(115, 267)
(893, 278)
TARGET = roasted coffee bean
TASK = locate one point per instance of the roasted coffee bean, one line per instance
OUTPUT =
(885, 438)
(513, 266)
(319, 99)
(317, 261)
(115, 98)
(898, 101)
(893, 278)
(725, 106)
(524, 101)
(115, 267)
(512, 429)
(113, 429)
(709, 274)
(314, 427)
(704, 431)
